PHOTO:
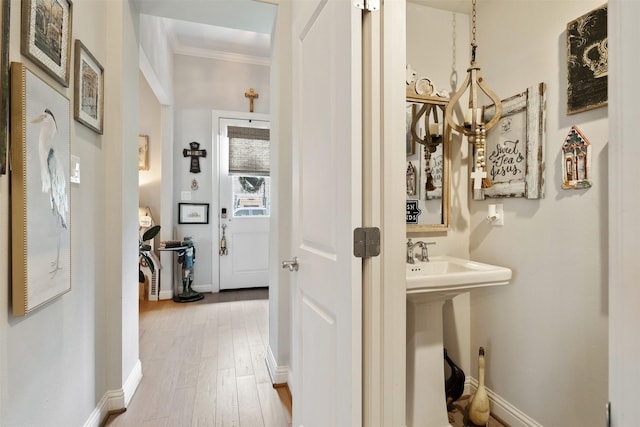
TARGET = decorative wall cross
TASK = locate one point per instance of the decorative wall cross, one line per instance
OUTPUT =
(195, 153)
(251, 95)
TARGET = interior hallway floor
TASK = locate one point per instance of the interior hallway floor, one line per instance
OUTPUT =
(203, 364)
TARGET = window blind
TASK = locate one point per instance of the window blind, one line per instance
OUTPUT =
(248, 151)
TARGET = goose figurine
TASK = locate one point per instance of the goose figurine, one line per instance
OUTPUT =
(454, 385)
(478, 409)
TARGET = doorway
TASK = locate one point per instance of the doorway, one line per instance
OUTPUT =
(244, 202)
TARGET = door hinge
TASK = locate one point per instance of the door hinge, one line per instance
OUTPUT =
(607, 414)
(368, 5)
(366, 242)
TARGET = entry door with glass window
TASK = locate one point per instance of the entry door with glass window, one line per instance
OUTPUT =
(244, 203)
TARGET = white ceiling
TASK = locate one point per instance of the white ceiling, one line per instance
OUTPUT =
(226, 29)
(209, 41)
(247, 15)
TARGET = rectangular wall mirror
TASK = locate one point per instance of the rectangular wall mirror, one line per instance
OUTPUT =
(428, 162)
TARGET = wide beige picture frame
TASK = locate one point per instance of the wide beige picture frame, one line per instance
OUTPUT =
(88, 90)
(45, 36)
(40, 214)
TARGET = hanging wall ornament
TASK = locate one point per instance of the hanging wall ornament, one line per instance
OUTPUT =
(411, 180)
(195, 153)
(479, 174)
(481, 144)
(429, 186)
(251, 184)
(576, 160)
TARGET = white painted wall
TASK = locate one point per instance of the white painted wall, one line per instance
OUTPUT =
(219, 85)
(195, 125)
(546, 333)
(430, 50)
(150, 181)
(57, 363)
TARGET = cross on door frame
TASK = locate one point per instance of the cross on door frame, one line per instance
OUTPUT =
(251, 95)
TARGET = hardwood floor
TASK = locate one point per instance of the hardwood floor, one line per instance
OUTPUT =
(204, 365)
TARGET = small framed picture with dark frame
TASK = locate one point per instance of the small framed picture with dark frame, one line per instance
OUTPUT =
(193, 213)
(45, 36)
(88, 92)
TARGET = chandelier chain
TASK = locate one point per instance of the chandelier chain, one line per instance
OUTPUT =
(474, 45)
(453, 79)
(453, 41)
(473, 20)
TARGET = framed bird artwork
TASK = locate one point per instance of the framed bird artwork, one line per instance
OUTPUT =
(40, 215)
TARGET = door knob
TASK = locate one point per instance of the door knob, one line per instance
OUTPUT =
(291, 265)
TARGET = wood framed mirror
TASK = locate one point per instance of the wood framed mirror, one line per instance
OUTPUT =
(428, 164)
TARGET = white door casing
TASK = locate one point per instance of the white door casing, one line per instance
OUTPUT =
(327, 206)
(624, 204)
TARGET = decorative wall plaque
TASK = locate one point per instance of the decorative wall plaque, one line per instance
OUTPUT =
(576, 160)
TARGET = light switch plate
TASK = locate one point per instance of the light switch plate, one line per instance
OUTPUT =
(74, 170)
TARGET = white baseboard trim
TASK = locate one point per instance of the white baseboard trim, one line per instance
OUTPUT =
(503, 409)
(116, 400)
(203, 288)
(131, 384)
(278, 374)
(166, 294)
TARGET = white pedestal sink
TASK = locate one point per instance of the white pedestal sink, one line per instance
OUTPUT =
(429, 285)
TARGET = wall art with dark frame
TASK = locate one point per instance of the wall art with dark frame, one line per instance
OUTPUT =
(587, 61)
(193, 213)
(40, 217)
(45, 36)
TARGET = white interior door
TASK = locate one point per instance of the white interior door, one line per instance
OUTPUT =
(327, 200)
(244, 210)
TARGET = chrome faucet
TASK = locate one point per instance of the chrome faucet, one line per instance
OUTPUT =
(424, 253)
(410, 246)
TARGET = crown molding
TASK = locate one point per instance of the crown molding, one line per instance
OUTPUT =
(222, 56)
(180, 49)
